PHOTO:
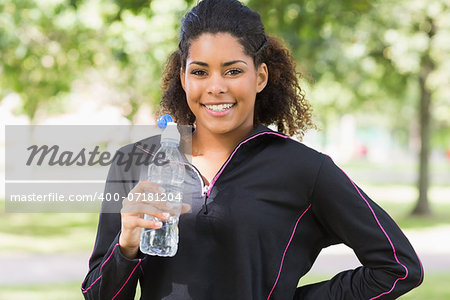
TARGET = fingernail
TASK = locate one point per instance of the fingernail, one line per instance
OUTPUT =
(161, 189)
(159, 224)
(166, 215)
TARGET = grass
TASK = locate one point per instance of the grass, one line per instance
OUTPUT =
(66, 291)
(434, 287)
(46, 224)
(47, 232)
(399, 201)
(401, 213)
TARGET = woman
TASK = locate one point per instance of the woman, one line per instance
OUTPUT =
(264, 205)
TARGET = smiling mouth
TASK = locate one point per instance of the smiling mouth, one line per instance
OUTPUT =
(219, 107)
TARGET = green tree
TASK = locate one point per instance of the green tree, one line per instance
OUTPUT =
(47, 46)
(42, 51)
(366, 50)
(426, 26)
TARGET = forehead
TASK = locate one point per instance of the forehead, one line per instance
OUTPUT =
(217, 46)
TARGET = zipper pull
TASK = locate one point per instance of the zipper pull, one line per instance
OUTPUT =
(205, 190)
(205, 194)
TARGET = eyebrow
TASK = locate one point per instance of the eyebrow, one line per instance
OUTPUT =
(225, 64)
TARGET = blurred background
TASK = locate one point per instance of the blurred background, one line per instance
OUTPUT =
(376, 72)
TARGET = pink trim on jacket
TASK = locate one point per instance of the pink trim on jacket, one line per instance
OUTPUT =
(234, 151)
(127, 279)
(285, 250)
(85, 290)
(387, 237)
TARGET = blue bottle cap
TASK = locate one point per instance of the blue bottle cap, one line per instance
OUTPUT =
(163, 120)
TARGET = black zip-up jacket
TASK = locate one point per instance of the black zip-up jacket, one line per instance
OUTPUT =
(256, 230)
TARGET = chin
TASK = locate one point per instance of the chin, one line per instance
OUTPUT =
(221, 130)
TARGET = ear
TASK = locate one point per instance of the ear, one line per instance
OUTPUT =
(262, 76)
(182, 78)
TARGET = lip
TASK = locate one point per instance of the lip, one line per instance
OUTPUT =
(218, 103)
(218, 113)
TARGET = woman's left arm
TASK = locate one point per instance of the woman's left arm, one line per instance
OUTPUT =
(390, 266)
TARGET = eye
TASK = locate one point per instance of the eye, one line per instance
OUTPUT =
(234, 72)
(198, 72)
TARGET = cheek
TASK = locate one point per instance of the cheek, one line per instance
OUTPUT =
(193, 91)
(191, 104)
(192, 97)
(247, 91)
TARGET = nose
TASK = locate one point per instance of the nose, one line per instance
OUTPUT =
(216, 85)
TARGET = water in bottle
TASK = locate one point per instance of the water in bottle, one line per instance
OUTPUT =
(170, 176)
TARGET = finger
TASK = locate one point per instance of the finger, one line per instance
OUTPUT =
(164, 216)
(152, 224)
(134, 222)
(136, 208)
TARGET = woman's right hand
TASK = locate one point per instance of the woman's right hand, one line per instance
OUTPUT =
(132, 216)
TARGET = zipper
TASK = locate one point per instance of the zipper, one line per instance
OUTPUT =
(216, 177)
(196, 171)
(235, 150)
(206, 189)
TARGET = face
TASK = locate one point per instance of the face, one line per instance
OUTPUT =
(221, 83)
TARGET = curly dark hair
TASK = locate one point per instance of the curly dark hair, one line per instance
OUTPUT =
(282, 102)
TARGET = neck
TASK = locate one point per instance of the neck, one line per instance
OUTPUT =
(204, 142)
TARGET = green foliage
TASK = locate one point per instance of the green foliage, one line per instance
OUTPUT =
(356, 55)
(366, 55)
(48, 46)
(39, 60)
(135, 6)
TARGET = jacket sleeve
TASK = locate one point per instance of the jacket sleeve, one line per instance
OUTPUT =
(111, 275)
(390, 266)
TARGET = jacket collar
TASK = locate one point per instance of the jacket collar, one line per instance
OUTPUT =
(142, 145)
(261, 128)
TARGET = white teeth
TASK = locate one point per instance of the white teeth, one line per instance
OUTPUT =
(220, 107)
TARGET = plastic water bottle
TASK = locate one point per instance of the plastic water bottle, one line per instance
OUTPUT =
(170, 176)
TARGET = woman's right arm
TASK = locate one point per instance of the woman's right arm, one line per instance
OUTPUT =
(111, 275)
(115, 263)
